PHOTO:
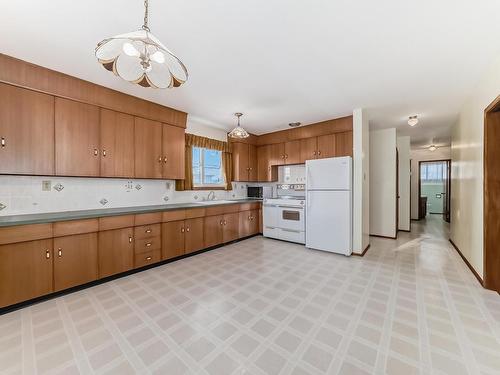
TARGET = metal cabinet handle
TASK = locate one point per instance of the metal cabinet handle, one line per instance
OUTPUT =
(221, 222)
(148, 230)
(149, 258)
(187, 229)
(129, 239)
(3, 142)
(159, 159)
(165, 159)
(148, 244)
(104, 153)
(182, 230)
(96, 152)
(319, 152)
(314, 153)
(225, 222)
(47, 254)
(59, 252)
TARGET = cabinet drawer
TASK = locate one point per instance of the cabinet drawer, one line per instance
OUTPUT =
(22, 233)
(151, 218)
(147, 244)
(116, 222)
(144, 259)
(249, 206)
(195, 212)
(173, 215)
(147, 231)
(68, 228)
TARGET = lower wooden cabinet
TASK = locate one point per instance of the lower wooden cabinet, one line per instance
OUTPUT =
(194, 239)
(231, 227)
(248, 223)
(172, 239)
(147, 258)
(25, 271)
(221, 229)
(116, 251)
(75, 260)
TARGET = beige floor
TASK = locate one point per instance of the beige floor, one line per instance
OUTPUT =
(267, 307)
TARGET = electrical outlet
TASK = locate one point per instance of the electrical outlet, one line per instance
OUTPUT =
(46, 185)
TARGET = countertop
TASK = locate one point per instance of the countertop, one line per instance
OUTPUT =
(50, 217)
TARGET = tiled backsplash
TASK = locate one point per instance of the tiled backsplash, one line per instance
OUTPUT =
(25, 194)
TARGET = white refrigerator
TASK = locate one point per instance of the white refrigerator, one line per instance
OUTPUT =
(329, 205)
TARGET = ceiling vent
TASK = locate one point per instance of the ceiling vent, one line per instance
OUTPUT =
(294, 124)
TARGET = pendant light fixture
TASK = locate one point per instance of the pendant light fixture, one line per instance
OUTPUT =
(413, 120)
(139, 57)
(238, 131)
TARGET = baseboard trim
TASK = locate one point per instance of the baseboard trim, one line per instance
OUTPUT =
(467, 263)
(363, 253)
(379, 236)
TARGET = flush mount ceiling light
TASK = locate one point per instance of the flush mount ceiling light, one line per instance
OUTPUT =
(412, 120)
(432, 148)
(238, 131)
(139, 57)
(294, 124)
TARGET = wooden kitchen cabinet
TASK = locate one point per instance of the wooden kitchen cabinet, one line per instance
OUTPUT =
(173, 152)
(25, 271)
(77, 139)
(213, 229)
(292, 152)
(326, 146)
(194, 235)
(75, 260)
(266, 171)
(116, 251)
(26, 131)
(248, 223)
(245, 166)
(117, 144)
(172, 234)
(308, 149)
(278, 154)
(343, 144)
(231, 227)
(148, 148)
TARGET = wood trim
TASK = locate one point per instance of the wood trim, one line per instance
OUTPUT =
(494, 106)
(116, 222)
(68, 228)
(379, 236)
(467, 263)
(149, 218)
(23, 233)
(27, 75)
(363, 253)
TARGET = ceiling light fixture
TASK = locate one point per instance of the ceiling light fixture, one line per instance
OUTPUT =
(238, 131)
(412, 120)
(139, 57)
(432, 148)
(294, 124)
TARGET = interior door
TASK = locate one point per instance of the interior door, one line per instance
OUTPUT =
(148, 148)
(308, 149)
(25, 271)
(26, 131)
(213, 228)
(174, 154)
(116, 251)
(252, 163)
(240, 161)
(77, 141)
(194, 235)
(75, 260)
(172, 238)
(117, 144)
(292, 152)
(326, 146)
(231, 227)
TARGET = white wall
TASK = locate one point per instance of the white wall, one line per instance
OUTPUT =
(198, 127)
(383, 182)
(467, 142)
(361, 181)
(418, 155)
(403, 144)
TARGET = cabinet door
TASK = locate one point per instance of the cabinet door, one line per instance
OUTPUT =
(174, 150)
(231, 229)
(240, 162)
(75, 260)
(308, 149)
(254, 222)
(213, 228)
(343, 142)
(26, 131)
(261, 222)
(194, 235)
(244, 224)
(148, 155)
(266, 171)
(117, 144)
(326, 146)
(77, 138)
(172, 238)
(252, 163)
(25, 271)
(292, 152)
(116, 251)
(278, 154)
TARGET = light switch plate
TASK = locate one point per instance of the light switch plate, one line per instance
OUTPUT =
(46, 185)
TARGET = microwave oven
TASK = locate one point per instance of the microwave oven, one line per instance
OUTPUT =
(259, 192)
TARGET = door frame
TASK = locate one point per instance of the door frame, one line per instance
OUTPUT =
(448, 161)
(491, 254)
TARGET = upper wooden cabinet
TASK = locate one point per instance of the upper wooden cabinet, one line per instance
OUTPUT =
(26, 132)
(117, 144)
(245, 166)
(308, 149)
(173, 151)
(266, 171)
(25, 271)
(77, 138)
(292, 152)
(148, 148)
(326, 146)
(278, 154)
(343, 144)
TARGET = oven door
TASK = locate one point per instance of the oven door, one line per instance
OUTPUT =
(291, 218)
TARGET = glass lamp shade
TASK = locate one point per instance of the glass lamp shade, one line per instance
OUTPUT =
(139, 57)
(238, 132)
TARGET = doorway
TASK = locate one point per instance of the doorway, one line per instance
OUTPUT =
(434, 188)
(491, 203)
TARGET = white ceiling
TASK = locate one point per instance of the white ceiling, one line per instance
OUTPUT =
(280, 61)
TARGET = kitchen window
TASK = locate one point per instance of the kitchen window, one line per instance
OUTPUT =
(207, 168)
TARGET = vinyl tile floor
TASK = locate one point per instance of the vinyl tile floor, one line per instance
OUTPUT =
(265, 307)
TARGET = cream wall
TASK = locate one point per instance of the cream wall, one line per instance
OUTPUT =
(467, 140)
(361, 181)
(418, 155)
(403, 144)
(383, 182)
